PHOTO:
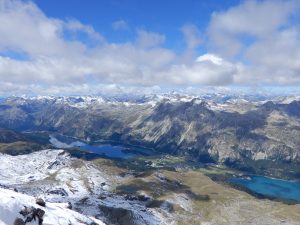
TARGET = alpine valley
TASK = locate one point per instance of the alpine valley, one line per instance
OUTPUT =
(151, 159)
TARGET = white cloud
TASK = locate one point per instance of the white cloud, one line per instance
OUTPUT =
(192, 38)
(76, 26)
(56, 61)
(210, 58)
(146, 39)
(251, 19)
(205, 70)
(120, 25)
(261, 34)
(60, 62)
(25, 28)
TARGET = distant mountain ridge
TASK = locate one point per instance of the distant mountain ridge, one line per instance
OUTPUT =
(238, 133)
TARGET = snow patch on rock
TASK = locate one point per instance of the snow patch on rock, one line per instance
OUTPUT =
(11, 203)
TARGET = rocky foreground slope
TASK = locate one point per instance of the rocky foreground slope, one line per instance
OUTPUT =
(77, 191)
(84, 186)
(238, 133)
(17, 208)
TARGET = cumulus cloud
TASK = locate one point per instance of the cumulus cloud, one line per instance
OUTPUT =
(192, 38)
(251, 19)
(75, 26)
(146, 39)
(25, 28)
(263, 35)
(251, 43)
(120, 25)
(207, 69)
(57, 60)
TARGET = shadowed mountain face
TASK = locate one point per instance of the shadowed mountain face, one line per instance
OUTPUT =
(9, 136)
(232, 134)
(15, 143)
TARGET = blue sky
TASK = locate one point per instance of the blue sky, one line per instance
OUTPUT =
(165, 17)
(65, 47)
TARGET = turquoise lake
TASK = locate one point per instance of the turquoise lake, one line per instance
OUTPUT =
(271, 187)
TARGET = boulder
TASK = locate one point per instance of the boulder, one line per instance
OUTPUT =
(31, 213)
(19, 221)
(40, 202)
(58, 191)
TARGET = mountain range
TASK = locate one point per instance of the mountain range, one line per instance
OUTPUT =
(249, 135)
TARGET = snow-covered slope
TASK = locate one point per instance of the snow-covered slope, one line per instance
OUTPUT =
(56, 177)
(50, 171)
(36, 166)
(11, 203)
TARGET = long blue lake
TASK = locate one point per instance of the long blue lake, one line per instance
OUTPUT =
(105, 150)
(271, 187)
(109, 151)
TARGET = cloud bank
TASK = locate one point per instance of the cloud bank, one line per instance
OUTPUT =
(254, 43)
